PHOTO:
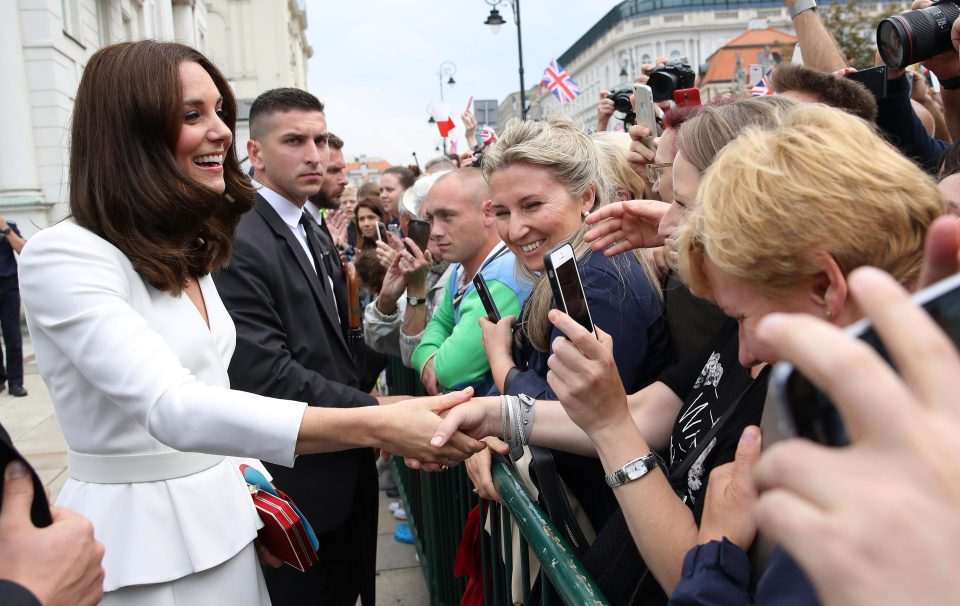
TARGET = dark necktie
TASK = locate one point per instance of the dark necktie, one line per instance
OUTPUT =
(315, 251)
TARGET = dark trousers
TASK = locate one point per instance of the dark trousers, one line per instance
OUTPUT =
(10, 325)
(348, 559)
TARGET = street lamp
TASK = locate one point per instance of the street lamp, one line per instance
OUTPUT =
(494, 20)
(447, 69)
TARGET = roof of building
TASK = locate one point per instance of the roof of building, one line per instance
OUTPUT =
(750, 44)
(635, 9)
(372, 164)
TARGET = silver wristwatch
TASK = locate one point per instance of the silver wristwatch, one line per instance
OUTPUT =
(633, 470)
(800, 6)
(414, 301)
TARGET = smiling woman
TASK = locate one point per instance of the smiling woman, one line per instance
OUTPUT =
(134, 342)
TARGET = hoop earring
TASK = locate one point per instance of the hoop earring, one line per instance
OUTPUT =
(829, 315)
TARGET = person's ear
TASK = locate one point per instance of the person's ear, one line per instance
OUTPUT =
(587, 200)
(830, 291)
(255, 153)
(488, 217)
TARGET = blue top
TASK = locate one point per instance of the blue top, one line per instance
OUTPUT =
(625, 305)
(718, 574)
(8, 262)
(897, 120)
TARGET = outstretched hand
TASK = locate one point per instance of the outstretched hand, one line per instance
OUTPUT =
(623, 226)
(411, 427)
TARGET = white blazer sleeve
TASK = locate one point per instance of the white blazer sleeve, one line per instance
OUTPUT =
(77, 289)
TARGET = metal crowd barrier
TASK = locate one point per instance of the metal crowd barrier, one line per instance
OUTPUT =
(437, 506)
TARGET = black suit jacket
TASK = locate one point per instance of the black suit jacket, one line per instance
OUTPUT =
(290, 345)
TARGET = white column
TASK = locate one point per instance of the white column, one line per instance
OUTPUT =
(19, 182)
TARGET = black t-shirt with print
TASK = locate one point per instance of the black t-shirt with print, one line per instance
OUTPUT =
(709, 383)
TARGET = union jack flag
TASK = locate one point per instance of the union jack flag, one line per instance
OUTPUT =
(560, 83)
(762, 88)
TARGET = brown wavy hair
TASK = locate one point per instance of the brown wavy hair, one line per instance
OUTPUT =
(125, 185)
(373, 205)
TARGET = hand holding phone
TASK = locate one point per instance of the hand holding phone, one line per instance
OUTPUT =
(419, 232)
(561, 266)
(646, 111)
(382, 232)
(808, 412)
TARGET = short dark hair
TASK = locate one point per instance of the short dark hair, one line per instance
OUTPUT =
(280, 100)
(370, 270)
(403, 174)
(334, 142)
(125, 185)
(848, 95)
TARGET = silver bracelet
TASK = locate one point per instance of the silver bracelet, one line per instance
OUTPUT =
(527, 415)
(503, 418)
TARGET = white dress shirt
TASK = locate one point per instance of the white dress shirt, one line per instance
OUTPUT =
(134, 371)
(290, 213)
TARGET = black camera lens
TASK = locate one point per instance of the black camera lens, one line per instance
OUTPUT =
(916, 35)
(662, 84)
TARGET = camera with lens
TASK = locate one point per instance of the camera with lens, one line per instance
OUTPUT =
(917, 35)
(675, 75)
(623, 105)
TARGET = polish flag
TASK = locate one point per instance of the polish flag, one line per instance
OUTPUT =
(441, 114)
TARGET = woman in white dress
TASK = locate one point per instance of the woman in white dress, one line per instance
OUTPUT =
(133, 341)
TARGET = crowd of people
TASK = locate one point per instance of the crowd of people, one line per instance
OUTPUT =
(189, 318)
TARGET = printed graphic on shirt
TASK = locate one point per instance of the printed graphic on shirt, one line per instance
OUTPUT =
(696, 418)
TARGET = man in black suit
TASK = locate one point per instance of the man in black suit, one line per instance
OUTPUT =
(47, 556)
(290, 344)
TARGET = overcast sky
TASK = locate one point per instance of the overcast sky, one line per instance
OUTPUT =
(375, 63)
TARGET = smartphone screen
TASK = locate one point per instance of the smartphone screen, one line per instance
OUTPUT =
(874, 78)
(382, 232)
(568, 295)
(493, 314)
(756, 74)
(807, 412)
(395, 230)
(419, 232)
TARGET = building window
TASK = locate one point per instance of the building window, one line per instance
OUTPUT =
(728, 14)
(71, 18)
(766, 13)
(645, 59)
(674, 54)
(673, 18)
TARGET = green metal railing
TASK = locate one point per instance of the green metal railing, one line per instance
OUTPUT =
(438, 505)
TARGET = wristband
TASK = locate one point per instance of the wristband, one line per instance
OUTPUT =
(800, 6)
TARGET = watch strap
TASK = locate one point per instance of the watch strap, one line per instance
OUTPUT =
(414, 301)
(800, 6)
(632, 470)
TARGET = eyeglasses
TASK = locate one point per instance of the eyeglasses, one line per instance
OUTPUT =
(655, 171)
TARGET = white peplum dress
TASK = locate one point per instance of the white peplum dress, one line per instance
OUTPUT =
(140, 388)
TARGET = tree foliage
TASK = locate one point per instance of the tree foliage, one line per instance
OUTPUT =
(854, 26)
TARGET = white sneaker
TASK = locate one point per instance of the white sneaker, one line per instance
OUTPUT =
(400, 513)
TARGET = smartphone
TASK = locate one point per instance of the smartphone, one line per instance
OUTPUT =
(755, 74)
(874, 78)
(395, 230)
(568, 295)
(646, 112)
(686, 97)
(807, 412)
(493, 314)
(382, 232)
(419, 232)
